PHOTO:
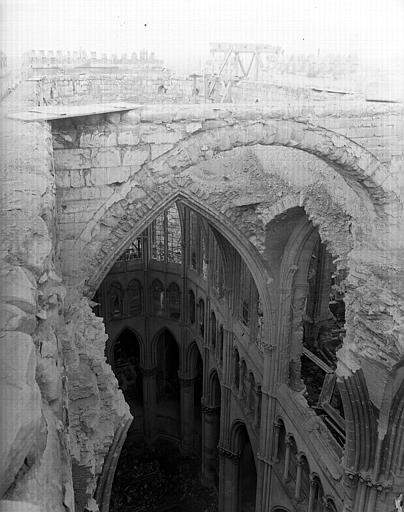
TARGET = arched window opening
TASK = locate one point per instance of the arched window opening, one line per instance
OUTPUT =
(174, 301)
(158, 228)
(134, 251)
(201, 316)
(174, 252)
(292, 473)
(191, 297)
(304, 490)
(126, 366)
(134, 297)
(221, 344)
(281, 445)
(213, 328)
(165, 234)
(247, 474)
(157, 297)
(115, 293)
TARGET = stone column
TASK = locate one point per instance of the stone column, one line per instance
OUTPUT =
(210, 440)
(229, 475)
(187, 413)
(150, 403)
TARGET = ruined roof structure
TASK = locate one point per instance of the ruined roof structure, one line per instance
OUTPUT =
(226, 277)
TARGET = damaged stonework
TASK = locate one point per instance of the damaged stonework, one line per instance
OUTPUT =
(96, 406)
(34, 451)
(37, 443)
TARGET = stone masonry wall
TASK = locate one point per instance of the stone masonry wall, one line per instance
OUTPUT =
(45, 365)
(84, 89)
(34, 462)
(341, 162)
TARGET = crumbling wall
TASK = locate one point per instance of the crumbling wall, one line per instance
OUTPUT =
(34, 459)
(42, 373)
(81, 89)
(97, 408)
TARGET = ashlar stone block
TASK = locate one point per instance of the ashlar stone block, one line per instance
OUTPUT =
(135, 157)
(66, 159)
(97, 139)
(105, 157)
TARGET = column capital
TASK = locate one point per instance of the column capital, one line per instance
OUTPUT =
(229, 454)
(210, 411)
(186, 380)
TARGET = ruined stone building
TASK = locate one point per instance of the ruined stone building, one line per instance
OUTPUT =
(227, 278)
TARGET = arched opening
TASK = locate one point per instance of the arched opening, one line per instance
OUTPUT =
(312, 314)
(170, 300)
(212, 431)
(247, 472)
(323, 333)
(168, 388)
(127, 369)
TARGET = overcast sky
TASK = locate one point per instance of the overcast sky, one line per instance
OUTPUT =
(177, 29)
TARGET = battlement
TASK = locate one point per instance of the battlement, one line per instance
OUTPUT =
(78, 58)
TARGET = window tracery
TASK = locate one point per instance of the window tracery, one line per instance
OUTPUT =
(173, 233)
(134, 251)
(158, 238)
(166, 236)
